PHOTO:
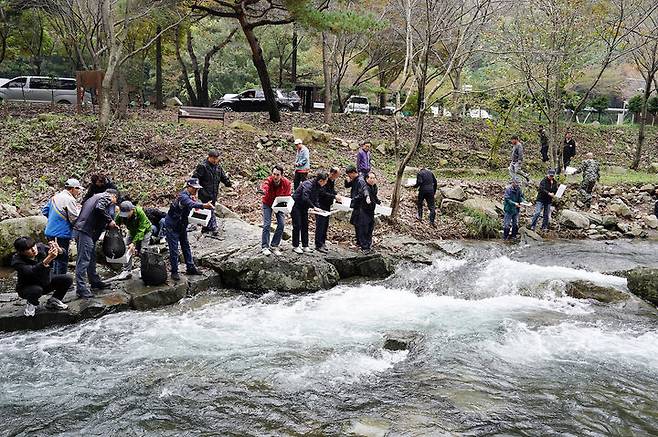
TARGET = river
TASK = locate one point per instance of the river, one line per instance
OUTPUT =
(501, 351)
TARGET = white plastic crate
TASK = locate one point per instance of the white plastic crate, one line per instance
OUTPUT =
(383, 210)
(199, 217)
(560, 190)
(409, 182)
(283, 204)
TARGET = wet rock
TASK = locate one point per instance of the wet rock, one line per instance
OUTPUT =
(453, 193)
(11, 229)
(401, 340)
(529, 236)
(643, 282)
(369, 266)
(573, 219)
(144, 297)
(484, 205)
(450, 248)
(589, 290)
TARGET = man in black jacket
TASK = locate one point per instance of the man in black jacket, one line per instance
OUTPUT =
(366, 220)
(32, 262)
(327, 196)
(99, 184)
(545, 194)
(543, 141)
(358, 192)
(426, 184)
(306, 197)
(210, 174)
(96, 215)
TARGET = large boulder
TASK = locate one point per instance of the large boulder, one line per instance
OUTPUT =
(453, 193)
(223, 212)
(484, 205)
(594, 219)
(367, 266)
(311, 136)
(451, 207)
(11, 229)
(402, 340)
(573, 219)
(589, 290)
(643, 282)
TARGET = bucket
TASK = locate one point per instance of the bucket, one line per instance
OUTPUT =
(283, 204)
(199, 217)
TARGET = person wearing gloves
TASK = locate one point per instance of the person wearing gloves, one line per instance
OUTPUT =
(62, 211)
(176, 227)
(306, 196)
(274, 186)
(302, 163)
(512, 206)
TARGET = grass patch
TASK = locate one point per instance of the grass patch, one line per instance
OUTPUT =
(480, 225)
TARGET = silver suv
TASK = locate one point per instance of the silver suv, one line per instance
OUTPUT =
(39, 89)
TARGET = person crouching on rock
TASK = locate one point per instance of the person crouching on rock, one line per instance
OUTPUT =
(274, 186)
(139, 227)
(306, 196)
(358, 191)
(32, 262)
(365, 224)
(176, 227)
(512, 207)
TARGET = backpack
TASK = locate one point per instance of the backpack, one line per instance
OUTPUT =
(113, 244)
(153, 268)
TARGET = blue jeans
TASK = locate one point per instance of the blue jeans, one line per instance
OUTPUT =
(61, 263)
(547, 213)
(85, 266)
(511, 219)
(267, 221)
(174, 237)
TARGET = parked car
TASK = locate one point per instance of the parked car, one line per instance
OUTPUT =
(39, 89)
(357, 104)
(3, 81)
(254, 101)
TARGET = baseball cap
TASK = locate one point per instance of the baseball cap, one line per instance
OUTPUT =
(551, 172)
(299, 141)
(125, 208)
(72, 183)
(193, 182)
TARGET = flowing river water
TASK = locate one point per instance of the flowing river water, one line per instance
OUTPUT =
(501, 351)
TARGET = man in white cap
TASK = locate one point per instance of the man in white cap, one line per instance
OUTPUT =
(302, 163)
(62, 210)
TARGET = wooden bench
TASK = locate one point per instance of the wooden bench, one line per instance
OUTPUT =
(201, 113)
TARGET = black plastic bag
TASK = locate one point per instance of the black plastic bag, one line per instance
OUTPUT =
(113, 244)
(153, 268)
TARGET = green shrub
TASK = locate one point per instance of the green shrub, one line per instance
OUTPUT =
(261, 171)
(480, 225)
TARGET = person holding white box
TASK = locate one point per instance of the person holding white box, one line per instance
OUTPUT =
(274, 186)
(306, 197)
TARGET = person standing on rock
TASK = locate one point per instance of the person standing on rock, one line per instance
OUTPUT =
(543, 141)
(545, 195)
(176, 227)
(62, 211)
(512, 207)
(358, 192)
(274, 186)
(590, 170)
(366, 219)
(363, 163)
(32, 263)
(326, 199)
(210, 174)
(517, 160)
(96, 215)
(568, 150)
(302, 163)
(306, 196)
(99, 184)
(427, 185)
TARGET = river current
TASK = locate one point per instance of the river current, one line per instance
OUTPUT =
(501, 351)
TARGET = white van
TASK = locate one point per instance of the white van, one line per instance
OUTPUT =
(40, 89)
(357, 104)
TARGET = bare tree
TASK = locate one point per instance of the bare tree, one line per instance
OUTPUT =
(646, 62)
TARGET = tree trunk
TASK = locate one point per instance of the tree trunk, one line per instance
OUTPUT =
(382, 89)
(159, 100)
(261, 68)
(643, 122)
(293, 62)
(327, 77)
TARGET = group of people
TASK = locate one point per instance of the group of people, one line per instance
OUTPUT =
(513, 197)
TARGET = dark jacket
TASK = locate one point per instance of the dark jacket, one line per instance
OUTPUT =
(569, 149)
(545, 187)
(358, 192)
(179, 210)
(307, 194)
(426, 181)
(209, 178)
(543, 139)
(95, 215)
(327, 195)
(513, 195)
(367, 214)
(94, 189)
(31, 271)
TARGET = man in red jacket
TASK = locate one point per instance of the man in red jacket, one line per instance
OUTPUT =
(274, 186)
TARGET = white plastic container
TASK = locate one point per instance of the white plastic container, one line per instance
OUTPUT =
(570, 170)
(199, 217)
(409, 182)
(560, 190)
(383, 210)
(283, 204)
(342, 204)
(321, 212)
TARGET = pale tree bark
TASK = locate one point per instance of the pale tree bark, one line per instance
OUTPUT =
(326, 70)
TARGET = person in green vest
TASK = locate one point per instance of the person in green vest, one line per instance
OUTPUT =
(140, 231)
